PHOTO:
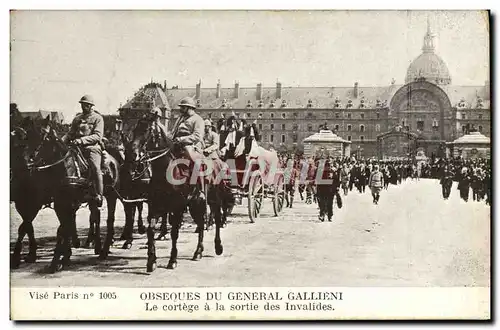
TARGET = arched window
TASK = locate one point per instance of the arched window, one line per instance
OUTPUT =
(283, 127)
(272, 126)
(309, 127)
(348, 138)
(337, 127)
(283, 115)
(361, 128)
(480, 128)
(377, 128)
(349, 128)
(283, 138)
(272, 114)
(362, 138)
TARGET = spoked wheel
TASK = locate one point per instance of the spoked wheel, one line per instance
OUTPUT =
(279, 195)
(255, 195)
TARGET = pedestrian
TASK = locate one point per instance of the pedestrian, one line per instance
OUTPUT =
(376, 183)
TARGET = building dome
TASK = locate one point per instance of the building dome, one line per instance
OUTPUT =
(428, 65)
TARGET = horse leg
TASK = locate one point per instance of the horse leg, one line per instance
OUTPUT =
(15, 260)
(74, 236)
(141, 229)
(28, 212)
(89, 243)
(129, 225)
(198, 211)
(110, 226)
(219, 249)
(151, 264)
(163, 228)
(95, 215)
(175, 223)
(31, 257)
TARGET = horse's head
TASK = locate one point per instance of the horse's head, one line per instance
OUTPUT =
(147, 136)
(47, 145)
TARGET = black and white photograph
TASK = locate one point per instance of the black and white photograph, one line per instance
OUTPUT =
(301, 162)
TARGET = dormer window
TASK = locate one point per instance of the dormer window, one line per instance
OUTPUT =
(479, 104)
(272, 104)
(224, 103)
(349, 104)
(309, 103)
(261, 104)
(462, 103)
(249, 104)
(362, 104)
(198, 103)
(337, 103)
(283, 103)
(379, 103)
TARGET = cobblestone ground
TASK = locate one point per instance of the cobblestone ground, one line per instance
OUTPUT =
(411, 238)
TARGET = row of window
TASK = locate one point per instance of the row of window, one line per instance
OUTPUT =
(310, 127)
(295, 138)
(479, 128)
(464, 116)
(295, 115)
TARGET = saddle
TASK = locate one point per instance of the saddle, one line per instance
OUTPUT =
(78, 169)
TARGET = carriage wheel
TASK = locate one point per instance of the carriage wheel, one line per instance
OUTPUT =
(279, 195)
(255, 194)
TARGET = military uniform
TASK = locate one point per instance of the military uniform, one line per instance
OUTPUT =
(211, 142)
(88, 130)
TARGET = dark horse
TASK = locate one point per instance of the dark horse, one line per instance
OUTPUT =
(135, 176)
(64, 166)
(165, 196)
(29, 190)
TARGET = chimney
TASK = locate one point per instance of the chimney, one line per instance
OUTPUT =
(259, 91)
(198, 90)
(236, 90)
(165, 86)
(278, 90)
(356, 90)
(217, 93)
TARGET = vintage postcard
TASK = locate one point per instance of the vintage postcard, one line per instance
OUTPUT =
(250, 165)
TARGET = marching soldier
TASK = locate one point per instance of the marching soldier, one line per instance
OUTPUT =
(376, 183)
(87, 131)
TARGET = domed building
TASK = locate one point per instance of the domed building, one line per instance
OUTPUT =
(394, 120)
(428, 65)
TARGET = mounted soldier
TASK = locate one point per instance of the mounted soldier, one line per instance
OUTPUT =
(87, 131)
(211, 141)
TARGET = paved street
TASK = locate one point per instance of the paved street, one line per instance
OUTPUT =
(412, 238)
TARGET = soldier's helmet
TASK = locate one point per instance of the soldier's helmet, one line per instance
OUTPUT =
(187, 102)
(87, 99)
(156, 111)
(208, 122)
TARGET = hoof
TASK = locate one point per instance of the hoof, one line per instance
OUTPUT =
(88, 245)
(127, 245)
(197, 257)
(219, 250)
(151, 267)
(172, 265)
(30, 258)
(76, 244)
(55, 267)
(141, 230)
(15, 263)
(161, 237)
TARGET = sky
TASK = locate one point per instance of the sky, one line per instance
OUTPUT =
(58, 56)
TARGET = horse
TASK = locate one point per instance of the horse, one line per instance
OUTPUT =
(135, 177)
(166, 196)
(29, 190)
(69, 175)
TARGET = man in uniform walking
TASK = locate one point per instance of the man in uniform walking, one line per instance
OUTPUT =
(87, 131)
(376, 183)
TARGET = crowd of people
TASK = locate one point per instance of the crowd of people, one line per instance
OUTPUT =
(473, 176)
